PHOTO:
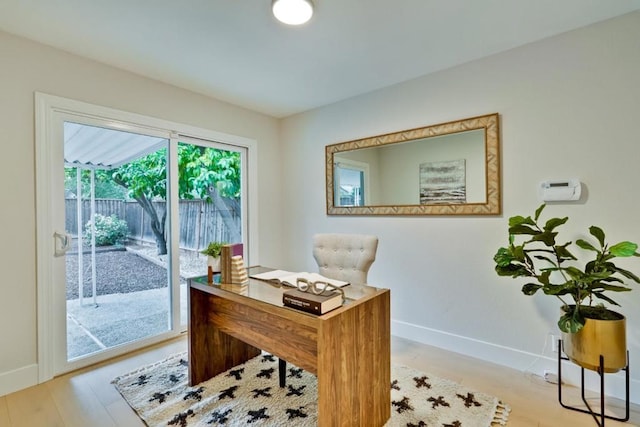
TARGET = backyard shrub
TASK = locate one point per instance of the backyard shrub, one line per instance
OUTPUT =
(109, 230)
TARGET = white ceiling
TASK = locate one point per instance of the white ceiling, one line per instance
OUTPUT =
(234, 50)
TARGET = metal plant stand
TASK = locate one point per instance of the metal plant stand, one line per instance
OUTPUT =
(600, 372)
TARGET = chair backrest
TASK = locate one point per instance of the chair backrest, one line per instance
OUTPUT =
(345, 257)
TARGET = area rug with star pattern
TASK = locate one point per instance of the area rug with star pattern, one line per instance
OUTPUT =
(249, 394)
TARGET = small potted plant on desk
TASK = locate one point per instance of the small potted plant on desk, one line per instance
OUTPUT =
(213, 251)
(588, 330)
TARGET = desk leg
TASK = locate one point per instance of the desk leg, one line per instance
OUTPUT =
(211, 351)
(354, 366)
(282, 372)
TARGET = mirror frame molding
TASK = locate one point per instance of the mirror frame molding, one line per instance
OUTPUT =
(492, 204)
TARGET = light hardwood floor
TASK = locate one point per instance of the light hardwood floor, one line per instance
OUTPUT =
(86, 398)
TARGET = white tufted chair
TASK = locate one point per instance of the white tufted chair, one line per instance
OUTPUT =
(346, 257)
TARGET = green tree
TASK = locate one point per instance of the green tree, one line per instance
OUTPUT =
(204, 173)
(105, 188)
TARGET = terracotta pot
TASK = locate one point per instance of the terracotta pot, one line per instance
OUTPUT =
(214, 263)
(598, 337)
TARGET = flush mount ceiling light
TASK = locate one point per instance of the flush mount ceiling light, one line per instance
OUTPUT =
(292, 12)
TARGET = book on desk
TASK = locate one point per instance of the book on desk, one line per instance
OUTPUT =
(312, 303)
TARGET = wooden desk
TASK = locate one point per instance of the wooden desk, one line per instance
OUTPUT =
(348, 349)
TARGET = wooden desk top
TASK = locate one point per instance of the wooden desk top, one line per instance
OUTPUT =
(271, 292)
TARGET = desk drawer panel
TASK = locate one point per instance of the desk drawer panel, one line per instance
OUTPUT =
(281, 335)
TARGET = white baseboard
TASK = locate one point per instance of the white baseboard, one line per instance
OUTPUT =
(522, 361)
(18, 379)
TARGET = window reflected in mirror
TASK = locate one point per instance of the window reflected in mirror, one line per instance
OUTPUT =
(351, 183)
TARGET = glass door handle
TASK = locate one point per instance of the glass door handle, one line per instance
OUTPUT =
(61, 243)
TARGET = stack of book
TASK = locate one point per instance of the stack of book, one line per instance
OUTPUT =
(226, 253)
(238, 272)
(312, 303)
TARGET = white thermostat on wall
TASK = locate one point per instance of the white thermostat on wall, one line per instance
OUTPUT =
(560, 191)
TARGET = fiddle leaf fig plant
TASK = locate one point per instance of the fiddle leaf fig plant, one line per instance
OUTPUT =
(556, 272)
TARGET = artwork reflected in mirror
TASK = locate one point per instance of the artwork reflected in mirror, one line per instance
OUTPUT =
(443, 182)
(445, 169)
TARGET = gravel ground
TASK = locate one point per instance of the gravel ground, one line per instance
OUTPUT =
(136, 268)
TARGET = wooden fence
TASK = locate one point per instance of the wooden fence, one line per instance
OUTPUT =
(200, 222)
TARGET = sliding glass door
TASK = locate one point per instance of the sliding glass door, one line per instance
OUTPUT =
(124, 210)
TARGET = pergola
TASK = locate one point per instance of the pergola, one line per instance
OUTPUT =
(91, 147)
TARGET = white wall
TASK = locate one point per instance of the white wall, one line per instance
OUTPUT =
(28, 67)
(569, 107)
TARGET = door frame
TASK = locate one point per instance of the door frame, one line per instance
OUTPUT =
(48, 155)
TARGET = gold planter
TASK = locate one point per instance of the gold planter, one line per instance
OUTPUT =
(598, 337)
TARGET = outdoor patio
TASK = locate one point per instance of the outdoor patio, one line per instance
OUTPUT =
(131, 297)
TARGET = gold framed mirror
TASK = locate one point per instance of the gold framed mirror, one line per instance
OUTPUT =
(444, 169)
